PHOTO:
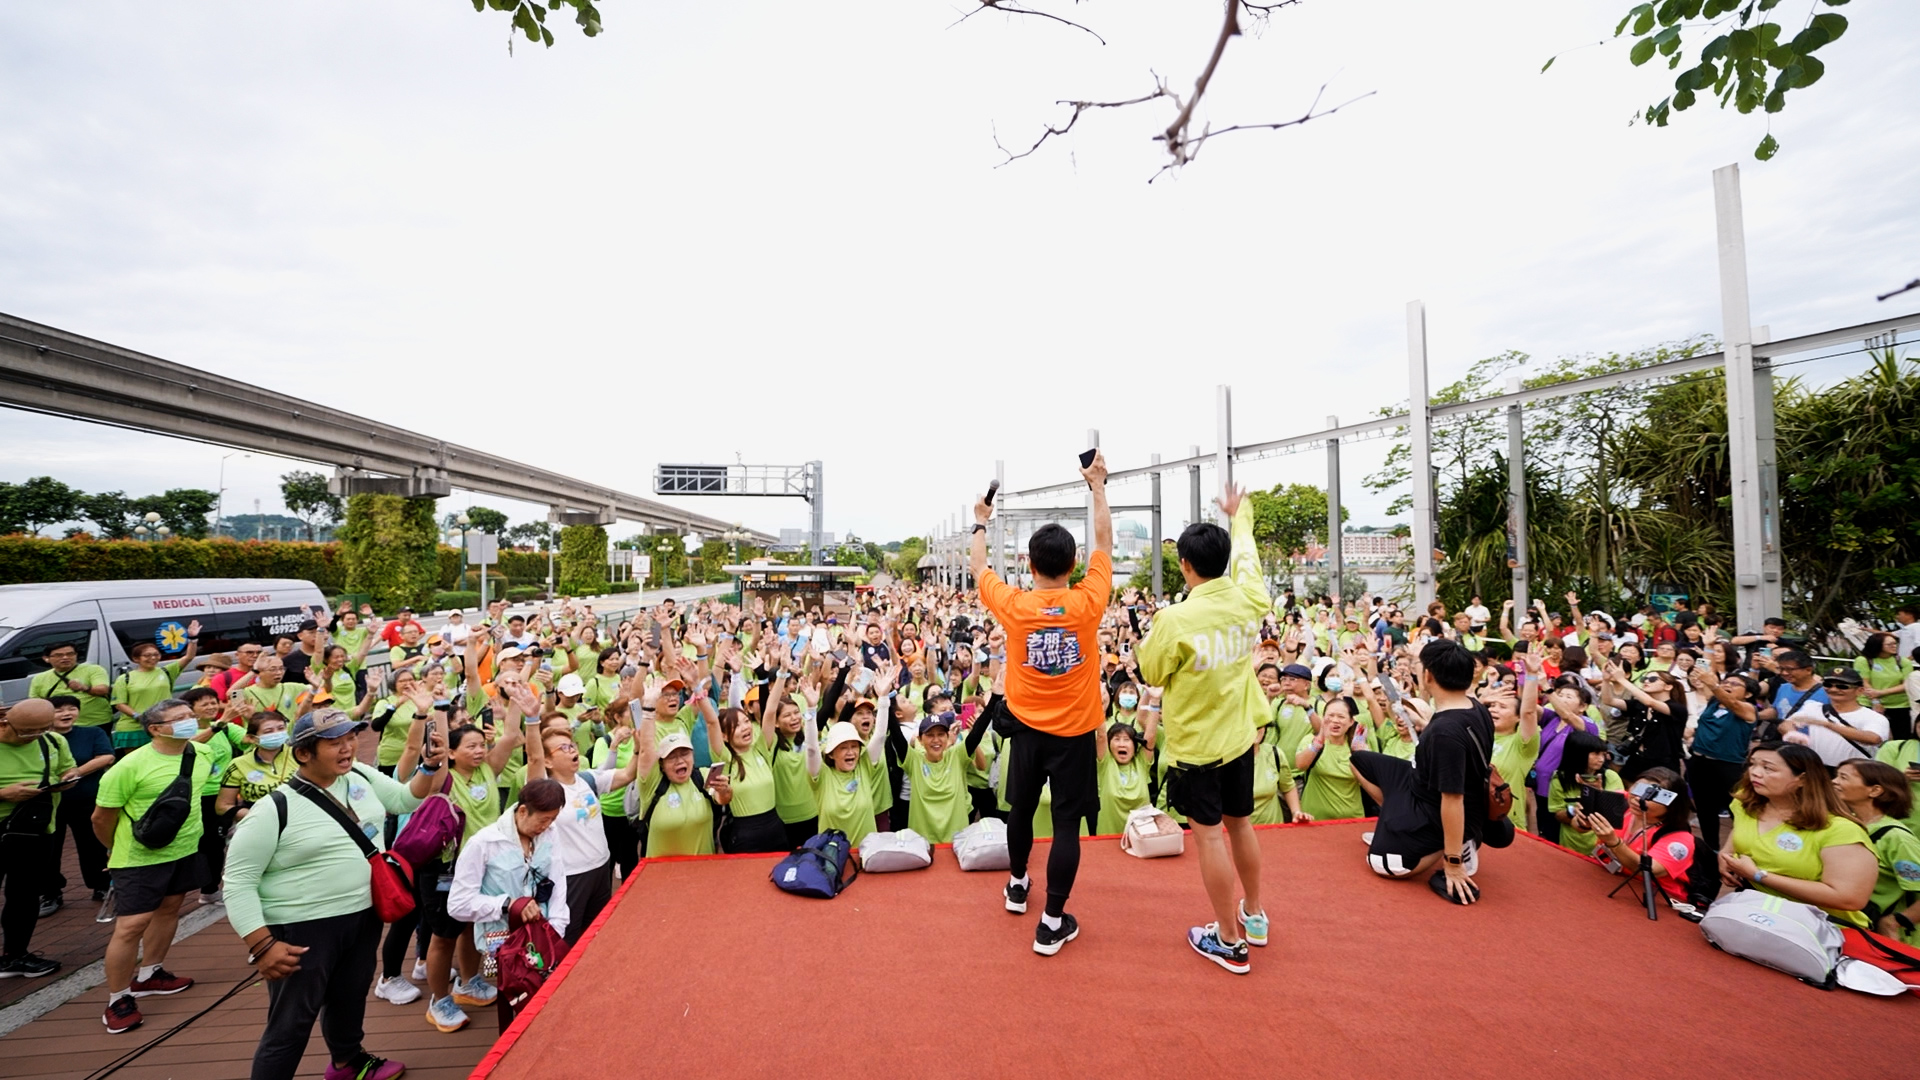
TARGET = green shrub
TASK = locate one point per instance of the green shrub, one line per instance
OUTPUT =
(28, 560)
(390, 550)
(583, 559)
(444, 600)
(520, 595)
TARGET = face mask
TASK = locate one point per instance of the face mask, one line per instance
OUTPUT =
(1334, 685)
(1128, 701)
(273, 740)
(185, 728)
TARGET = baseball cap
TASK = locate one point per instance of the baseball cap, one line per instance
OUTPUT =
(404, 610)
(674, 740)
(323, 724)
(937, 720)
(511, 652)
(1844, 676)
(570, 685)
(1297, 671)
(309, 624)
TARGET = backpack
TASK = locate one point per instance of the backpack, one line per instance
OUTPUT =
(1900, 960)
(822, 868)
(162, 822)
(434, 828)
(982, 845)
(527, 957)
(34, 816)
(884, 852)
(1800, 940)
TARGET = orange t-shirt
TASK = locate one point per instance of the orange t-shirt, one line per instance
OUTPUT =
(1053, 648)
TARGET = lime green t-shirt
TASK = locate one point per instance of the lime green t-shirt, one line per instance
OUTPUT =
(601, 755)
(1898, 885)
(1272, 778)
(1290, 726)
(940, 805)
(94, 711)
(132, 785)
(1559, 798)
(1385, 738)
(283, 698)
(341, 687)
(874, 773)
(141, 690)
(219, 749)
(393, 737)
(601, 690)
(49, 756)
(682, 822)
(1784, 849)
(845, 801)
(1904, 754)
(752, 782)
(255, 778)
(1885, 673)
(1514, 757)
(478, 796)
(1123, 789)
(350, 640)
(1330, 790)
(793, 797)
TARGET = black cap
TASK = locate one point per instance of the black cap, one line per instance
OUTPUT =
(1845, 676)
(308, 624)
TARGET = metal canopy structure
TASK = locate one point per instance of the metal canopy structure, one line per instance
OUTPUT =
(1748, 360)
(51, 371)
(797, 481)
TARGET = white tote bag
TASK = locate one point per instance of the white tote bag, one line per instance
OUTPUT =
(982, 845)
(885, 852)
(1151, 834)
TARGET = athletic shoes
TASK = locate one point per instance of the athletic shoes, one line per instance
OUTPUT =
(397, 991)
(1016, 898)
(419, 971)
(1206, 941)
(475, 991)
(444, 1014)
(27, 966)
(123, 1014)
(162, 982)
(1367, 838)
(366, 1067)
(49, 905)
(1047, 942)
(1254, 926)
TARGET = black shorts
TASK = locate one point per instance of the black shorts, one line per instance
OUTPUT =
(1066, 762)
(138, 890)
(1408, 829)
(431, 899)
(1207, 793)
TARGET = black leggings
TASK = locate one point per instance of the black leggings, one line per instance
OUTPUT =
(756, 833)
(393, 952)
(1066, 765)
(1711, 783)
(799, 832)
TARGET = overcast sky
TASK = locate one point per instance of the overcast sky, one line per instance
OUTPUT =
(776, 230)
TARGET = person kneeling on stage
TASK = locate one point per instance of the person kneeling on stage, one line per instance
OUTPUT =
(1433, 810)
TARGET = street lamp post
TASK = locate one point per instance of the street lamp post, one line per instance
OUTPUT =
(152, 529)
(220, 496)
(460, 531)
(692, 543)
(666, 548)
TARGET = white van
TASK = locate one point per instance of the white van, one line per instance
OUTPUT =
(103, 619)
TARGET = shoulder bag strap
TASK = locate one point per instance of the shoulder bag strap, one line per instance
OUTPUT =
(327, 802)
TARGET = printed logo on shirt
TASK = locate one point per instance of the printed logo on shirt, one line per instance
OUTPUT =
(1789, 842)
(673, 799)
(926, 769)
(1053, 650)
(585, 807)
(1676, 850)
(850, 786)
(1054, 612)
(1905, 870)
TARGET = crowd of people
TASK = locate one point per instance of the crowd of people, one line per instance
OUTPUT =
(1669, 743)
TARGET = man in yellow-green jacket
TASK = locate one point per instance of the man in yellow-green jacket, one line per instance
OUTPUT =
(1200, 652)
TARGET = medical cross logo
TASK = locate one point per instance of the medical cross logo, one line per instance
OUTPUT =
(1053, 650)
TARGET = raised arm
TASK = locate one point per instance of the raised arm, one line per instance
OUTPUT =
(1096, 475)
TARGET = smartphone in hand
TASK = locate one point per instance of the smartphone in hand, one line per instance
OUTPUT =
(1086, 458)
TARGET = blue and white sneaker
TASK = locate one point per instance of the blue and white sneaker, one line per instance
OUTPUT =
(1206, 941)
(474, 991)
(1254, 926)
(445, 1015)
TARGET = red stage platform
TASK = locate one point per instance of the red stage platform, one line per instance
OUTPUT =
(703, 969)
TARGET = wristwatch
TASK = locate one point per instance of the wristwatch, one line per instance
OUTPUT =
(979, 528)
(1451, 860)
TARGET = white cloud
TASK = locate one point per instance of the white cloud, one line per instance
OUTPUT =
(776, 229)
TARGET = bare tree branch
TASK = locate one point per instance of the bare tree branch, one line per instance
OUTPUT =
(1176, 133)
(1160, 90)
(1009, 9)
(1191, 149)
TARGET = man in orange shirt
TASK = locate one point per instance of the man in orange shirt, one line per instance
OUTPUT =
(1053, 694)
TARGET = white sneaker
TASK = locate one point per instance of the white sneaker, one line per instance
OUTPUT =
(396, 991)
(1366, 838)
(419, 971)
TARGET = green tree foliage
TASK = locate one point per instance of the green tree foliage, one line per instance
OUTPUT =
(36, 504)
(534, 534)
(1352, 585)
(485, 519)
(307, 498)
(530, 18)
(583, 559)
(389, 549)
(1746, 57)
(1171, 580)
(1286, 518)
(25, 560)
(904, 563)
(182, 510)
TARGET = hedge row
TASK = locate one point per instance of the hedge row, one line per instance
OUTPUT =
(28, 560)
